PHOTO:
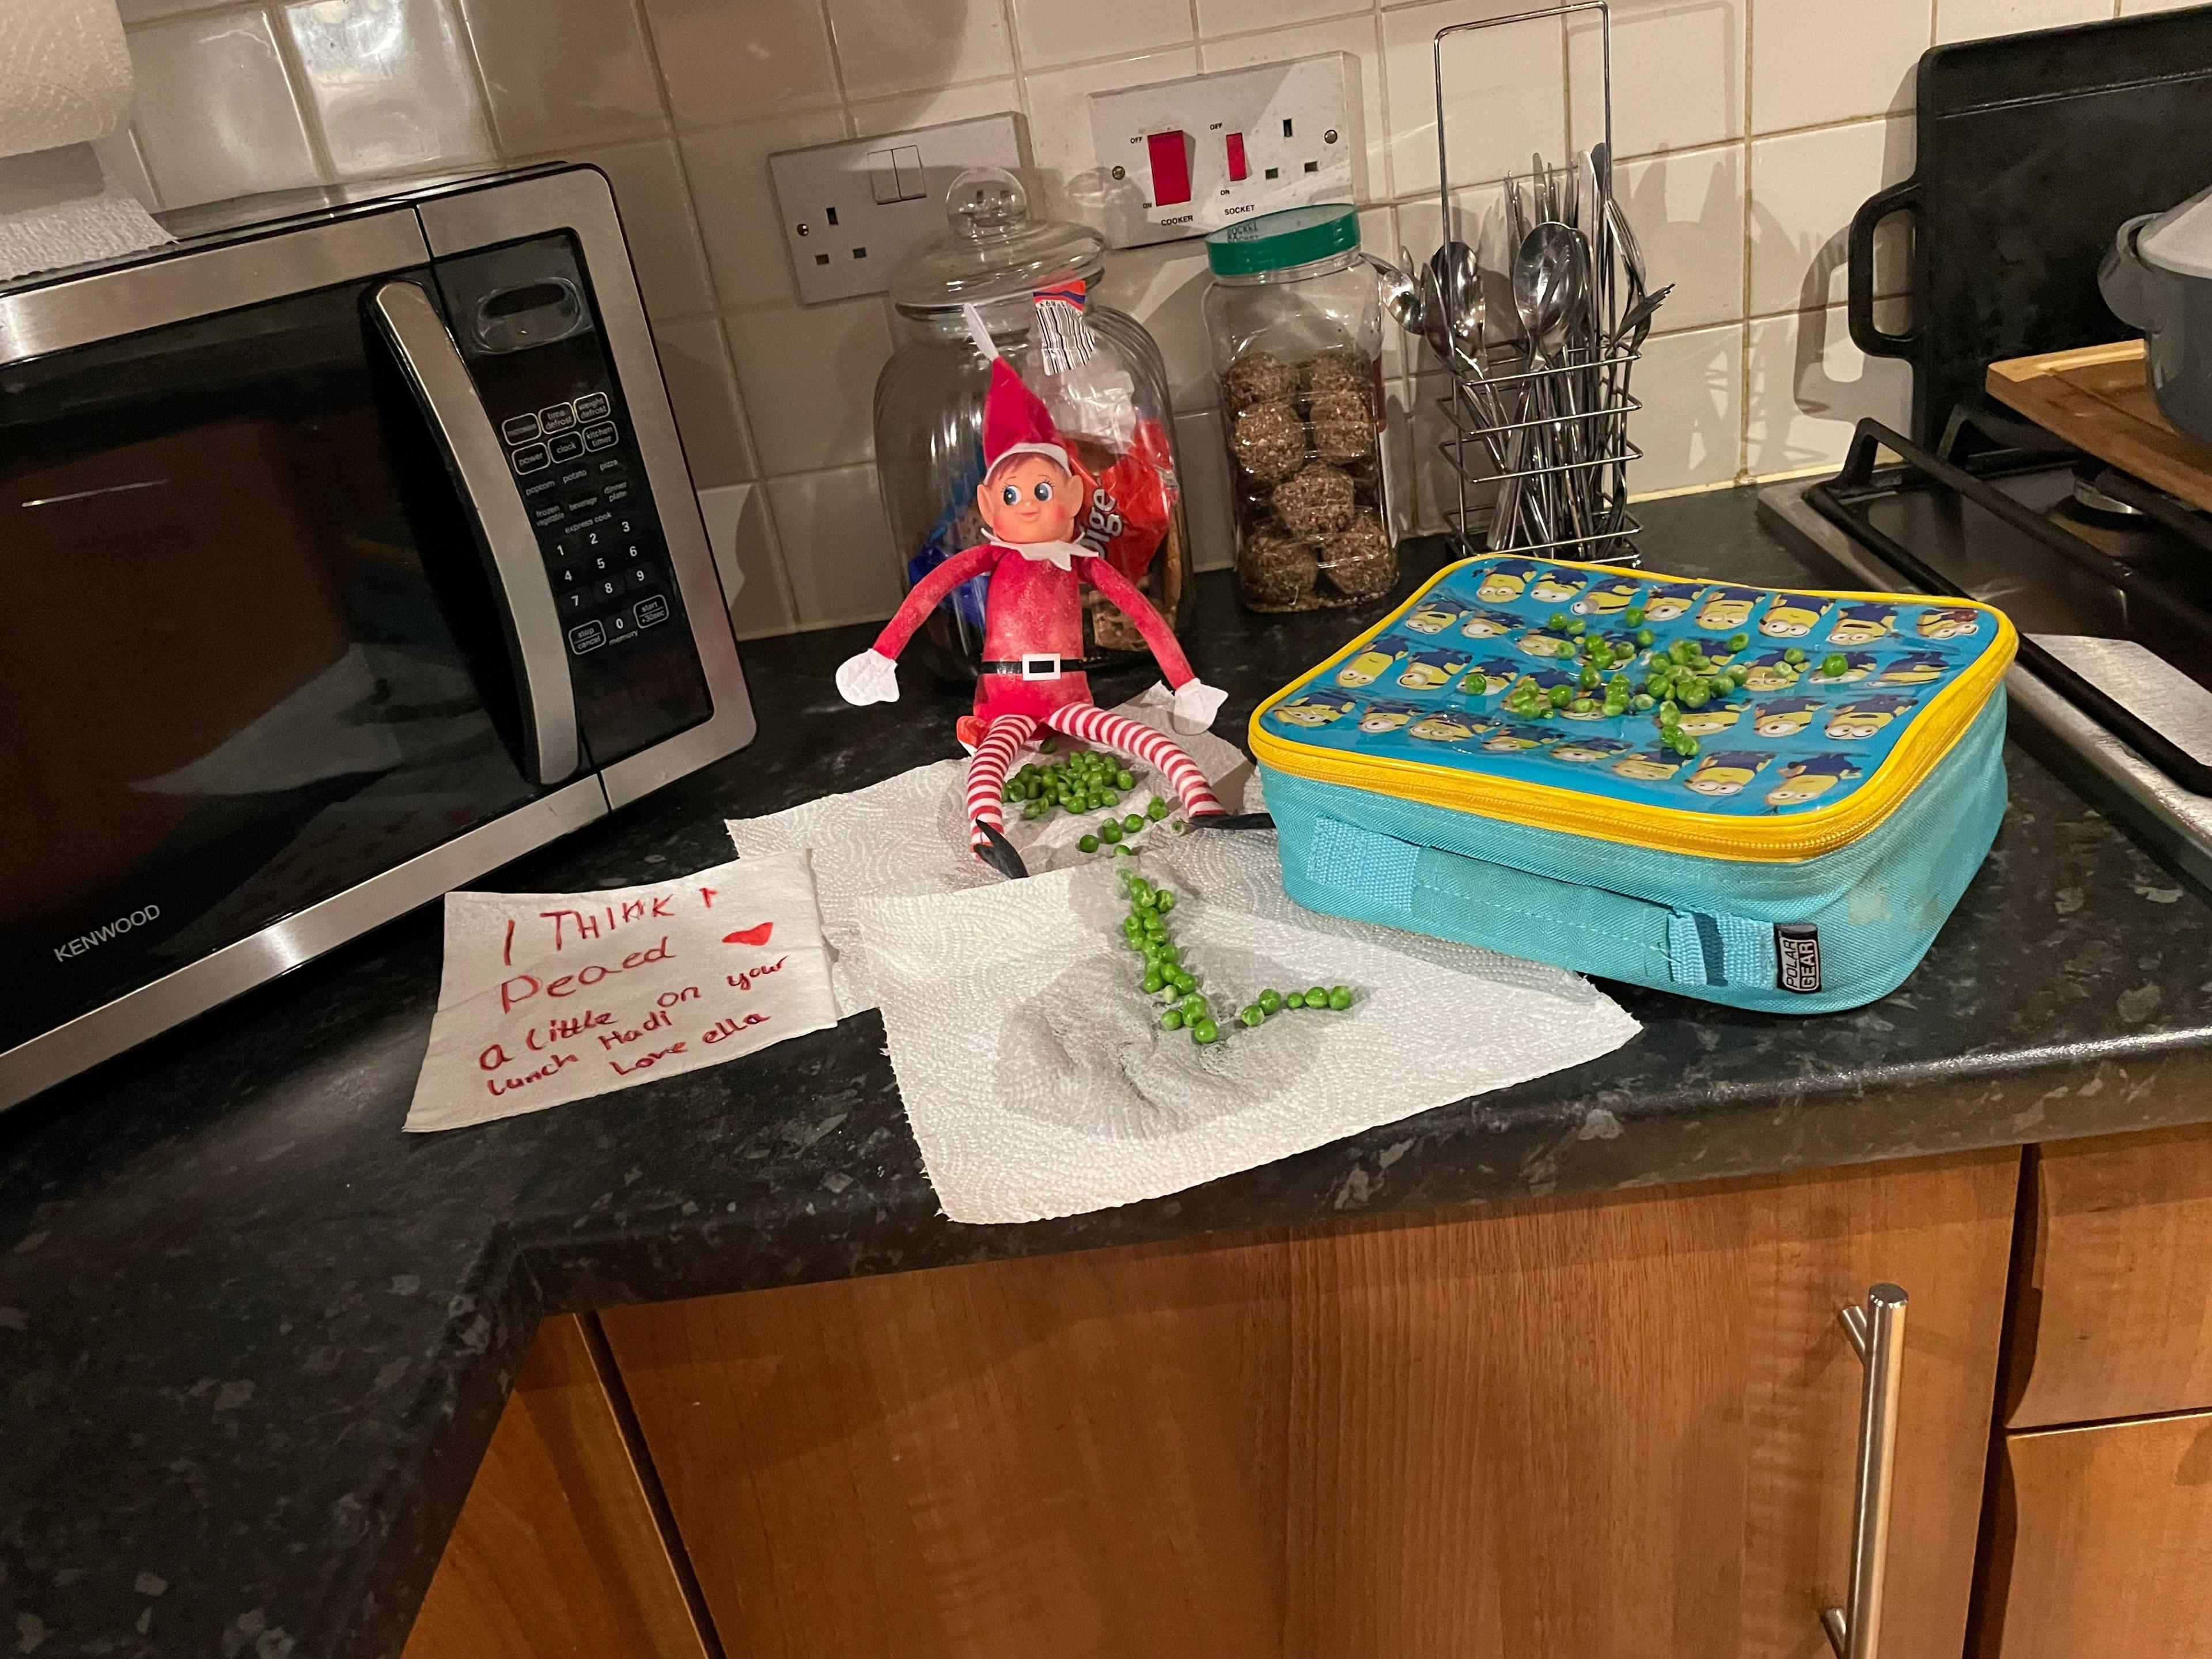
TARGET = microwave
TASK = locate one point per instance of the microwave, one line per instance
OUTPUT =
(349, 552)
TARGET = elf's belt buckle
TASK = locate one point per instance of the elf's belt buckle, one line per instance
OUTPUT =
(1040, 665)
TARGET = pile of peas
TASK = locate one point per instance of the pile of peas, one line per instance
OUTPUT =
(1145, 928)
(1083, 780)
(1683, 676)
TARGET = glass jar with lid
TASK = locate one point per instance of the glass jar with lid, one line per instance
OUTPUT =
(1295, 325)
(982, 278)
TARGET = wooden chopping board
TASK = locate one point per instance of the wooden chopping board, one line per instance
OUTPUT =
(2099, 399)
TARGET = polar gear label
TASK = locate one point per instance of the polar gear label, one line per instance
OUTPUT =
(1797, 956)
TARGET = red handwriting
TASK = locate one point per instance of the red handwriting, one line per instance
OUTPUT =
(644, 1060)
(616, 1039)
(729, 1028)
(744, 981)
(523, 986)
(576, 927)
(751, 935)
(508, 1085)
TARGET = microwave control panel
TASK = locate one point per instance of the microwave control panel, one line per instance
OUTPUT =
(524, 317)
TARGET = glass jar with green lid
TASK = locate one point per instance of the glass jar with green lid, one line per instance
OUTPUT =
(1295, 323)
(984, 274)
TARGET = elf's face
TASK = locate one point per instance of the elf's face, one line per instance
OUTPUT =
(1030, 499)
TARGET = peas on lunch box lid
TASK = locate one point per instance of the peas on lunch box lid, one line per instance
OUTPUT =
(1276, 242)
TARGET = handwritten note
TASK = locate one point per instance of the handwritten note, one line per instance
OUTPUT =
(553, 997)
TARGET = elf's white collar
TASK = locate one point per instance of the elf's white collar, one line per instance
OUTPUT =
(1063, 554)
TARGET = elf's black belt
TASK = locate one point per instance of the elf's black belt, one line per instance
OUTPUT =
(1043, 666)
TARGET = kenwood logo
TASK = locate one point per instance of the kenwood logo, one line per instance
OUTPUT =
(84, 942)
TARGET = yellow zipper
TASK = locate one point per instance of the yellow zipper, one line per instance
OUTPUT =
(1663, 829)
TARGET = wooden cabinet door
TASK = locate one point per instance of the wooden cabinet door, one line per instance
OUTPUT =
(558, 1554)
(2101, 1543)
(2113, 1317)
(1624, 1426)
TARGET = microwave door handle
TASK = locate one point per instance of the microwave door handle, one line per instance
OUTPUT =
(462, 431)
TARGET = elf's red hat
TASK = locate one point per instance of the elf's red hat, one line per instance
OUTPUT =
(1017, 423)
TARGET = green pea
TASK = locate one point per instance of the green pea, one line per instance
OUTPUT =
(1125, 851)
(1557, 621)
(1560, 696)
(1577, 626)
(1835, 663)
(1272, 1001)
(1697, 696)
(1793, 654)
(1339, 998)
(1125, 780)
(1153, 983)
(1583, 706)
(1171, 1020)
(1295, 1000)
(1110, 831)
(1157, 811)
(1644, 637)
(1192, 1006)
(1108, 798)
(1254, 1015)
(1167, 900)
(1634, 618)
(1589, 676)
(1204, 1030)
(1737, 641)
(1134, 822)
(1643, 701)
(1317, 997)
(1048, 745)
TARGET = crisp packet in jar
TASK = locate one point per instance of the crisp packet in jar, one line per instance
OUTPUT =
(1132, 498)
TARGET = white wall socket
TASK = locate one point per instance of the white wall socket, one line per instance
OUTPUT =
(1181, 158)
(852, 210)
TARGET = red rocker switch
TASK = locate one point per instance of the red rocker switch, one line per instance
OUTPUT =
(1238, 170)
(1170, 160)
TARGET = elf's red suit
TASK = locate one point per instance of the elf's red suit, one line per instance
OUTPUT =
(1031, 498)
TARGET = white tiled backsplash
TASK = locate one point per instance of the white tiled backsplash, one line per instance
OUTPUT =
(1751, 130)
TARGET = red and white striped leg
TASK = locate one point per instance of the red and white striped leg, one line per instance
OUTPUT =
(987, 772)
(1157, 750)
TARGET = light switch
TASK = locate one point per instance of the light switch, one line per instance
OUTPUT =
(1170, 154)
(1239, 168)
(882, 175)
(906, 159)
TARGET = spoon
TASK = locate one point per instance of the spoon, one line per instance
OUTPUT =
(1551, 284)
(1401, 297)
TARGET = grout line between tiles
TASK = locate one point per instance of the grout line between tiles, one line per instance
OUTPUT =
(1743, 346)
(295, 83)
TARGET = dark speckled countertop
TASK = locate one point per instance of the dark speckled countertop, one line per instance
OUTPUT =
(253, 1338)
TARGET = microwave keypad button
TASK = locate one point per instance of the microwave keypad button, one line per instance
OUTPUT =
(575, 601)
(650, 611)
(587, 637)
(566, 446)
(591, 406)
(531, 458)
(638, 576)
(559, 418)
(607, 588)
(602, 436)
(519, 428)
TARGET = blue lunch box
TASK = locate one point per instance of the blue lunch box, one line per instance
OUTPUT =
(1768, 798)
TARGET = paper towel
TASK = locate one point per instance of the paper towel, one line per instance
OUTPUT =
(64, 81)
(910, 835)
(1038, 1083)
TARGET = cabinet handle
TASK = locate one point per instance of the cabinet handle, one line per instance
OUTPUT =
(1877, 1332)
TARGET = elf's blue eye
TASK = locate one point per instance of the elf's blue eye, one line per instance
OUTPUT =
(1011, 494)
(1043, 492)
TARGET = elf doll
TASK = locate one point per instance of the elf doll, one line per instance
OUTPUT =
(1030, 499)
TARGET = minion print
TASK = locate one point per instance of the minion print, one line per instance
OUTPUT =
(1371, 663)
(1864, 716)
(1383, 717)
(1786, 717)
(1433, 618)
(1444, 726)
(1811, 778)
(1725, 771)
(1501, 584)
(1727, 609)
(1488, 625)
(1792, 616)
(1558, 587)
(1314, 707)
(1609, 597)
(1488, 678)
(1427, 670)
(1713, 717)
(1773, 671)
(1648, 766)
(1665, 603)
(1516, 739)
(1948, 622)
(1583, 752)
(1857, 665)
(1863, 624)
(1919, 668)
(1537, 643)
